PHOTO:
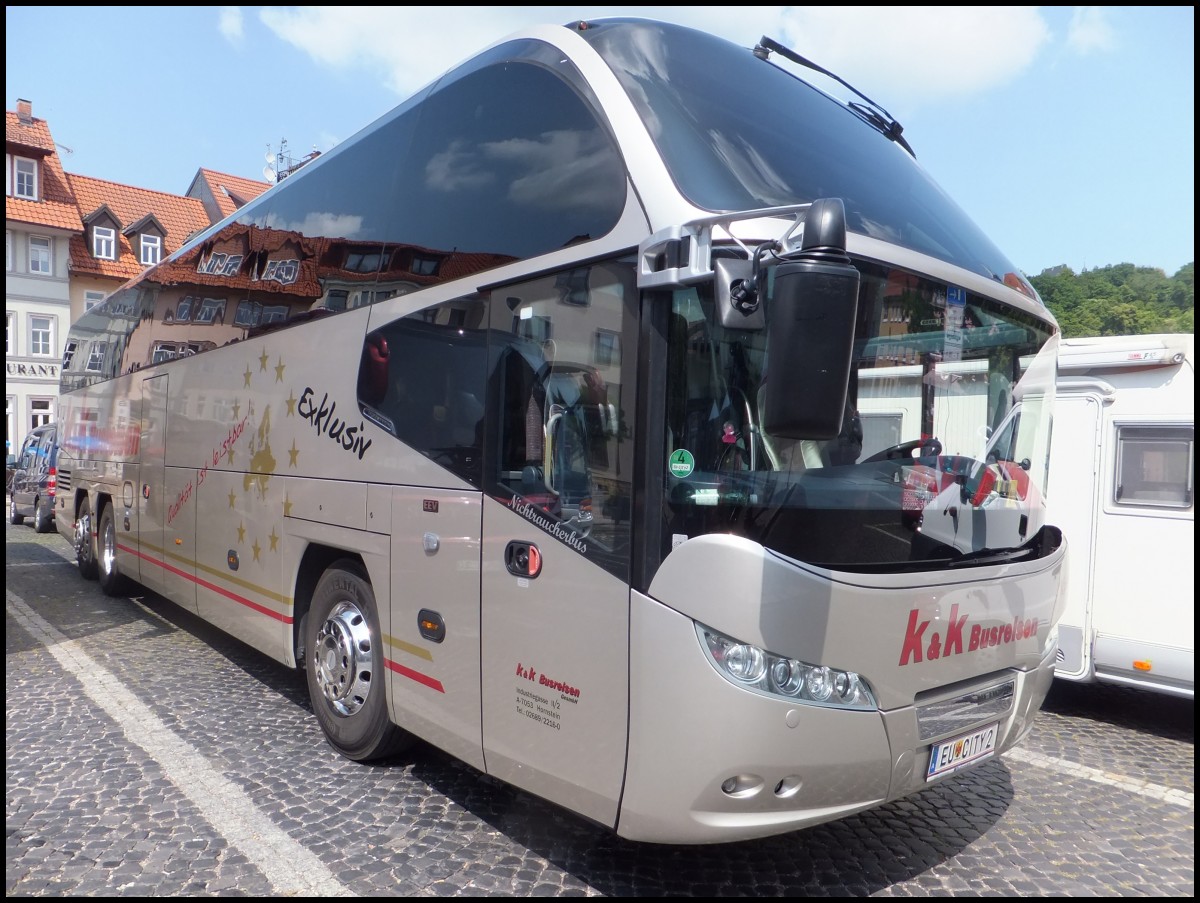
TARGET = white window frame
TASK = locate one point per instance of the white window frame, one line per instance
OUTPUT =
(10, 333)
(91, 298)
(39, 245)
(104, 243)
(36, 340)
(150, 249)
(41, 412)
(69, 354)
(23, 182)
(8, 257)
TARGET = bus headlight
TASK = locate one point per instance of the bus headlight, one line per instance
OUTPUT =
(778, 676)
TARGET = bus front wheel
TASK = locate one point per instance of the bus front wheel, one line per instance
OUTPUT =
(345, 667)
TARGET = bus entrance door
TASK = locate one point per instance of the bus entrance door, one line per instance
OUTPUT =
(555, 656)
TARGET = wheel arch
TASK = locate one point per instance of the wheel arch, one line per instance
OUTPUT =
(317, 559)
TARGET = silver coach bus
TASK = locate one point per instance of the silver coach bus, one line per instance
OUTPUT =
(610, 415)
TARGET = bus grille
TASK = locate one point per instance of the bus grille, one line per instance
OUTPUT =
(950, 716)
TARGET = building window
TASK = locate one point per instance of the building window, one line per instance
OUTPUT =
(104, 243)
(39, 412)
(151, 248)
(91, 299)
(24, 184)
(8, 250)
(41, 335)
(1155, 466)
(69, 354)
(39, 255)
(9, 347)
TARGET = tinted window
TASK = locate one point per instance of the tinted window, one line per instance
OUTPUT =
(422, 379)
(1155, 466)
(503, 159)
(740, 133)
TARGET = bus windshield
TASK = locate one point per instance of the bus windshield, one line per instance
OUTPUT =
(918, 474)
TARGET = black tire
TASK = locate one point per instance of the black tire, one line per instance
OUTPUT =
(13, 517)
(344, 664)
(85, 543)
(112, 581)
(43, 516)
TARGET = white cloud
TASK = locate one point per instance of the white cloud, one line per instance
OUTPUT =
(908, 55)
(230, 24)
(1090, 30)
(903, 56)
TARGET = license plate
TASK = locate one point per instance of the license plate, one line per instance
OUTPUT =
(951, 755)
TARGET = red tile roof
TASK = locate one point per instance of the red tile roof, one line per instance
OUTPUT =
(231, 192)
(34, 134)
(56, 207)
(179, 216)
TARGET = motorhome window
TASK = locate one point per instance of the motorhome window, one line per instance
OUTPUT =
(1155, 466)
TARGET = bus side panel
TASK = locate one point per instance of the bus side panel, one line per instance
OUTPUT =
(555, 659)
(152, 490)
(1073, 502)
(244, 567)
(434, 673)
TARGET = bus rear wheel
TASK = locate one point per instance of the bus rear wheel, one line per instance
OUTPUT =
(85, 542)
(345, 667)
(112, 581)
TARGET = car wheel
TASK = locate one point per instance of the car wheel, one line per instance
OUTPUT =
(43, 515)
(13, 516)
(112, 581)
(85, 543)
(345, 667)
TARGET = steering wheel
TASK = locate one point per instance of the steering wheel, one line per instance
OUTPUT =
(930, 447)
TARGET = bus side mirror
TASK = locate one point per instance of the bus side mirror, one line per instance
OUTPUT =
(810, 344)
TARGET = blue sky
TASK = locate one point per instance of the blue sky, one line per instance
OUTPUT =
(1067, 133)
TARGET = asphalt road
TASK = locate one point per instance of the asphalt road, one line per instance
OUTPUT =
(149, 755)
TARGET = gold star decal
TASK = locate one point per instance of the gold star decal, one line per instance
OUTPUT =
(241, 533)
(237, 406)
(274, 539)
(293, 454)
(287, 506)
(257, 549)
(291, 404)
(262, 361)
(247, 376)
(279, 371)
(229, 454)
(232, 499)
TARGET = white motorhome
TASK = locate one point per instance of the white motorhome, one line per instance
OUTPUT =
(1121, 488)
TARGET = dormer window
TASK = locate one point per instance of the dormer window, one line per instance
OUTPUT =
(104, 243)
(151, 249)
(22, 178)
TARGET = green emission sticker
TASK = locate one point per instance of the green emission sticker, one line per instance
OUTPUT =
(681, 463)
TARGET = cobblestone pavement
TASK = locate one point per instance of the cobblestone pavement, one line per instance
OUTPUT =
(149, 755)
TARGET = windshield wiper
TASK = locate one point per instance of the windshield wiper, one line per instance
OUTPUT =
(871, 112)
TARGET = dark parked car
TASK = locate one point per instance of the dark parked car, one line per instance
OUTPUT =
(31, 491)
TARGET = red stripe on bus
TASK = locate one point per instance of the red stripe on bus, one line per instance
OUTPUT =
(415, 675)
(240, 600)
